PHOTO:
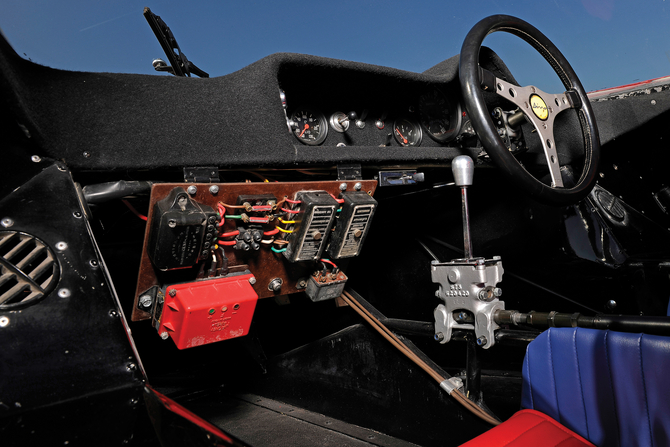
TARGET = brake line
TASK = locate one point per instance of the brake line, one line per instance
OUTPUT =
(442, 378)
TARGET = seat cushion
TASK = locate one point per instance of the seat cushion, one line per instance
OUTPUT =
(529, 428)
(609, 387)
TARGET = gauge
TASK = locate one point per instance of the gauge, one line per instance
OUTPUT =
(407, 132)
(309, 126)
(439, 116)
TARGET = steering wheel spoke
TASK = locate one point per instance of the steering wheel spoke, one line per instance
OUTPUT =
(540, 109)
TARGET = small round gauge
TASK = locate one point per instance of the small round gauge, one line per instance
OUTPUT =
(407, 132)
(439, 116)
(310, 126)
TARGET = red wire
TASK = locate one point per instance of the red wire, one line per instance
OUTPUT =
(222, 211)
(131, 208)
(289, 211)
(230, 233)
(338, 200)
(294, 202)
(228, 243)
(328, 262)
(271, 232)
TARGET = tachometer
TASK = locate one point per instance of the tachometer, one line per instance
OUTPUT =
(309, 126)
(439, 116)
(407, 132)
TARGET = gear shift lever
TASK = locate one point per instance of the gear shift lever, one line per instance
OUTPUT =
(463, 169)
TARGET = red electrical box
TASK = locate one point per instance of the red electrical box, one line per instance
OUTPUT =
(208, 311)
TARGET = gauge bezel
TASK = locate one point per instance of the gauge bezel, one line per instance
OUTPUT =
(417, 128)
(320, 117)
(455, 116)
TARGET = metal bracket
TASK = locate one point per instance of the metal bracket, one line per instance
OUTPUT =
(349, 172)
(207, 174)
(468, 285)
(393, 178)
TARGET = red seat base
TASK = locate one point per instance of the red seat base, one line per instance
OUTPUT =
(529, 428)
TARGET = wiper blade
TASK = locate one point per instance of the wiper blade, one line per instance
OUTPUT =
(179, 64)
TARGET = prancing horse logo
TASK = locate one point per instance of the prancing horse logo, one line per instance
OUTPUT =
(539, 107)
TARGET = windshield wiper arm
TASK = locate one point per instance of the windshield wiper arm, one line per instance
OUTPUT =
(179, 64)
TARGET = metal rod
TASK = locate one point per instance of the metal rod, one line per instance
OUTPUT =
(623, 323)
(473, 371)
(467, 241)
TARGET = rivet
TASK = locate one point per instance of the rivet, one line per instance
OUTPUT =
(343, 186)
(86, 154)
(192, 190)
(64, 293)
(7, 222)
(61, 246)
(214, 189)
(36, 158)
(4, 321)
(77, 214)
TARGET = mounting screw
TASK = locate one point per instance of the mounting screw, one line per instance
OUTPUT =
(192, 190)
(439, 336)
(462, 316)
(481, 341)
(7, 222)
(61, 246)
(36, 158)
(172, 223)
(94, 263)
(214, 189)
(275, 284)
(113, 313)
(343, 186)
(145, 301)
(131, 367)
(64, 293)
(252, 280)
(497, 292)
(172, 292)
(164, 335)
(358, 186)
(77, 214)
(4, 321)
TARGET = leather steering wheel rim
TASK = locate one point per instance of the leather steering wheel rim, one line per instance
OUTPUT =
(474, 81)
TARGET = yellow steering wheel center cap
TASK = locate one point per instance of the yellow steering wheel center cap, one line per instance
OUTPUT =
(539, 107)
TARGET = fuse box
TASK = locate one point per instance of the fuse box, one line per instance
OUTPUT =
(352, 226)
(314, 220)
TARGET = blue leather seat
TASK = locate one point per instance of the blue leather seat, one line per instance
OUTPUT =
(612, 388)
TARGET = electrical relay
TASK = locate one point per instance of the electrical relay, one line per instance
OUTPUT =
(314, 221)
(352, 226)
(182, 231)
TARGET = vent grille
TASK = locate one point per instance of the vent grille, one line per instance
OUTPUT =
(28, 269)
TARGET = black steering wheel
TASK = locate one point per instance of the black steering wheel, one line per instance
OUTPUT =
(540, 108)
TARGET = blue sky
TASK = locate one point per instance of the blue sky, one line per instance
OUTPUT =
(608, 42)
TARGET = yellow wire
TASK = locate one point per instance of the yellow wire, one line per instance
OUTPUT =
(286, 221)
(284, 231)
